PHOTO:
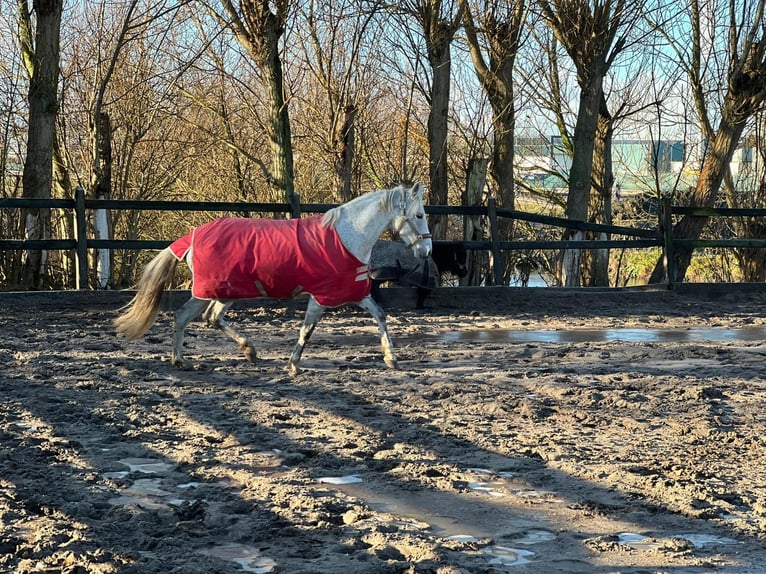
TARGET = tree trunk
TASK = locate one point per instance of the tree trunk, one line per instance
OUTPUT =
(344, 160)
(282, 169)
(259, 33)
(493, 59)
(580, 175)
(37, 178)
(601, 195)
(440, 59)
(503, 123)
(713, 170)
(473, 229)
(752, 262)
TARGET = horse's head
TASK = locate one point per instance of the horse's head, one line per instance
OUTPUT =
(410, 223)
(458, 263)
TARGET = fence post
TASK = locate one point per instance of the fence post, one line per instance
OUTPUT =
(295, 206)
(666, 226)
(494, 234)
(81, 237)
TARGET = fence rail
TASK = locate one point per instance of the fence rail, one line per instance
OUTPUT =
(661, 236)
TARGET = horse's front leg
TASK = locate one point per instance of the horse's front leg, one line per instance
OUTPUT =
(385, 341)
(314, 312)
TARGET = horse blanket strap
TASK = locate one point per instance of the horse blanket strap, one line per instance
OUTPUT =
(422, 275)
(238, 258)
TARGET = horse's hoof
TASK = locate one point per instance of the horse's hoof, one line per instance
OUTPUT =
(181, 364)
(293, 369)
(392, 363)
(250, 354)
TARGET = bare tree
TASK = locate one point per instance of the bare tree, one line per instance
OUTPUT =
(337, 48)
(440, 20)
(733, 97)
(12, 132)
(42, 60)
(258, 26)
(593, 34)
(749, 191)
(493, 31)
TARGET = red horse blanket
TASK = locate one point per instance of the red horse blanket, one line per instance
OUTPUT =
(236, 258)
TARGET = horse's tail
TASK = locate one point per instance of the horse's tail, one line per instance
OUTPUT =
(142, 310)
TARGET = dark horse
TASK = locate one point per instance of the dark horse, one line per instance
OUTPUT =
(451, 258)
(392, 261)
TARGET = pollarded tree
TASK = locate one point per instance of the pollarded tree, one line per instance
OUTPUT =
(440, 20)
(339, 50)
(493, 30)
(629, 95)
(258, 26)
(733, 92)
(749, 191)
(41, 53)
(593, 35)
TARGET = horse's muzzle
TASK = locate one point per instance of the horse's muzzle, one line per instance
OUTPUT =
(423, 247)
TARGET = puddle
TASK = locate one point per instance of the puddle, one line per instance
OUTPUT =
(141, 502)
(532, 537)
(146, 487)
(482, 471)
(486, 487)
(422, 507)
(504, 486)
(700, 540)
(447, 514)
(637, 541)
(146, 493)
(505, 556)
(641, 542)
(462, 538)
(153, 494)
(688, 364)
(147, 465)
(538, 496)
(117, 475)
(338, 480)
(621, 334)
(627, 335)
(248, 558)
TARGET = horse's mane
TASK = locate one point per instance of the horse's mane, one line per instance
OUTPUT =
(330, 218)
(386, 197)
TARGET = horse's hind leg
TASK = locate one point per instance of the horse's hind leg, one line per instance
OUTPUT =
(314, 312)
(183, 315)
(214, 316)
(385, 341)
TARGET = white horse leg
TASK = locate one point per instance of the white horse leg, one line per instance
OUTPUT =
(314, 312)
(385, 341)
(186, 313)
(214, 316)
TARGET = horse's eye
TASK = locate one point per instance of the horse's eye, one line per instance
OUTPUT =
(419, 216)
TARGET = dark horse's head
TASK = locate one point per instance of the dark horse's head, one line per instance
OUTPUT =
(451, 258)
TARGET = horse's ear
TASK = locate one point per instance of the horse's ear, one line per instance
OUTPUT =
(415, 190)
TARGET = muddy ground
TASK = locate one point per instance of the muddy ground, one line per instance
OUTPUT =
(548, 431)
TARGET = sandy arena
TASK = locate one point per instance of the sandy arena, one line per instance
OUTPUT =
(545, 431)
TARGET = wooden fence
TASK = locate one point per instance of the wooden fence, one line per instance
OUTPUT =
(661, 236)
